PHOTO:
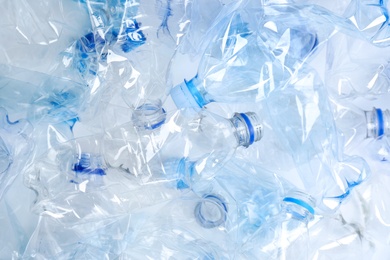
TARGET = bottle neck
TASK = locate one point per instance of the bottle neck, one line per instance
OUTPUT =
(211, 211)
(89, 164)
(300, 205)
(247, 128)
(149, 116)
(190, 94)
(378, 123)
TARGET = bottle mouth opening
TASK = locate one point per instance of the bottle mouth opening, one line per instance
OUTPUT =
(150, 115)
(300, 205)
(211, 211)
(249, 128)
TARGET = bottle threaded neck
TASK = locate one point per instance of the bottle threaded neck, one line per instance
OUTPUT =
(300, 205)
(248, 128)
(378, 122)
(89, 164)
(211, 211)
(150, 115)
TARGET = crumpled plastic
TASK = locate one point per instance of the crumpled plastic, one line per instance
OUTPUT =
(193, 129)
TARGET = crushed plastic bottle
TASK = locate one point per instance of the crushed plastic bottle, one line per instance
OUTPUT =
(372, 19)
(72, 181)
(301, 116)
(248, 56)
(251, 74)
(358, 126)
(241, 207)
(142, 150)
(135, 41)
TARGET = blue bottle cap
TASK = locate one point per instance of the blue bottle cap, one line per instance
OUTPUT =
(211, 211)
(187, 95)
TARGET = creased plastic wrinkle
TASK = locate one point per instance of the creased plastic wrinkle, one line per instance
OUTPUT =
(194, 129)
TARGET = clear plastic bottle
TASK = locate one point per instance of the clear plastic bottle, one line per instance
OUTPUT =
(371, 18)
(75, 186)
(358, 125)
(241, 210)
(302, 119)
(234, 67)
(242, 62)
(142, 150)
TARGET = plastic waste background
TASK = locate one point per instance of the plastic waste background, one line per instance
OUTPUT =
(84, 85)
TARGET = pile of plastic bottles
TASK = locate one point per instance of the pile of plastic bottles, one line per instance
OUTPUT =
(194, 129)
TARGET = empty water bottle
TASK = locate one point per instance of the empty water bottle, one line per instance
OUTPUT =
(73, 183)
(234, 67)
(247, 58)
(141, 150)
(358, 125)
(240, 209)
(302, 118)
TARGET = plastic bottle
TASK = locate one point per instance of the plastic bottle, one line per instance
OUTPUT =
(302, 119)
(142, 150)
(243, 62)
(81, 58)
(72, 180)
(15, 147)
(232, 68)
(135, 41)
(371, 19)
(358, 125)
(250, 205)
(240, 210)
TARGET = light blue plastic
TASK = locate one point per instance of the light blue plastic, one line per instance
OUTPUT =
(242, 62)
(15, 148)
(302, 118)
